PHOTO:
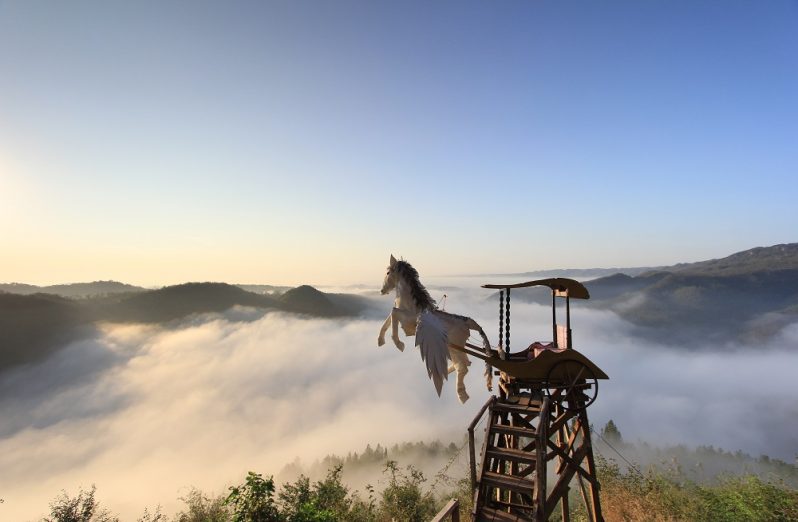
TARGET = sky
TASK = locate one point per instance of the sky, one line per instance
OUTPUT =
(303, 142)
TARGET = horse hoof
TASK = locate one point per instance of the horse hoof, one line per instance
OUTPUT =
(401, 346)
(380, 341)
(463, 397)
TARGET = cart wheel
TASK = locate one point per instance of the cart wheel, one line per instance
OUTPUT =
(572, 384)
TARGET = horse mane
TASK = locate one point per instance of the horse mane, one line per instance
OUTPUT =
(421, 296)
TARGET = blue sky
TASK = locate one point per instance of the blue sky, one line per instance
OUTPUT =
(290, 142)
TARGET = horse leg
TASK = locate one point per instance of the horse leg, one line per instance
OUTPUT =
(398, 315)
(385, 325)
(460, 363)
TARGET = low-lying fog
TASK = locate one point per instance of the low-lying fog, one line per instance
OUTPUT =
(146, 412)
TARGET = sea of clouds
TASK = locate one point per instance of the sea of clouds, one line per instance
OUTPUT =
(147, 412)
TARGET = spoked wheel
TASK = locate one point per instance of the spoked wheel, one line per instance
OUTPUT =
(572, 384)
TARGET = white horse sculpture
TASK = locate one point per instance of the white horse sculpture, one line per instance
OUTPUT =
(435, 330)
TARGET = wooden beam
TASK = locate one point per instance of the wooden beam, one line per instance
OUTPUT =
(540, 463)
(452, 508)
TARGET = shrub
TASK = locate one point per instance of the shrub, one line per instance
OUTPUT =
(253, 501)
(326, 501)
(82, 508)
(403, 499)
(202, 508)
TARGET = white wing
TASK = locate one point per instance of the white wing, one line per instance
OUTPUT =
(432, 340)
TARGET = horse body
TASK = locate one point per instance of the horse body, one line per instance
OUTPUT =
(436, 331)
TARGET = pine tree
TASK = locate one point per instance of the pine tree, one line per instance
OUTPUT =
(611, 433)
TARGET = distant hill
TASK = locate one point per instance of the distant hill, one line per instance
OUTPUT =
(34, 325)
(760, 259)
(307, 300)
(265, 289)
(747, 297)
(576, 273)
(174, 302)
(95, 288)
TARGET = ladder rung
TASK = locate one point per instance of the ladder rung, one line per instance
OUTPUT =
(515, 455)
(515, 505)
(533, 407)
(517, 484)
(514, 430)
(488, 514)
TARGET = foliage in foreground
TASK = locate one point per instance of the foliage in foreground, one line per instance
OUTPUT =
(626, 495)
(256, 500)
(666, 495)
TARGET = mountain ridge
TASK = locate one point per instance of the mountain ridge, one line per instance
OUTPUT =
(747, 297)
(35, 325)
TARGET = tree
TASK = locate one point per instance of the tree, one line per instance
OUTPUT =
(611, 433)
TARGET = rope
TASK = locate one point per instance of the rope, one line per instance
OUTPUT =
(631, 466)
(441, 474)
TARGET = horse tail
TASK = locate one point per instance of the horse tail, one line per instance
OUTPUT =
(432, 340)
(473, 325)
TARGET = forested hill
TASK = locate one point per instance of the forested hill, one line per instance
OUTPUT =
(760, 259)
(96, 288)
(34, 325)
(748, 297)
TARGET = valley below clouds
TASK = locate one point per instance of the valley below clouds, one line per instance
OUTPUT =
(146, 412)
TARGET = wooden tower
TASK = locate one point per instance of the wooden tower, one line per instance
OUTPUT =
(537, 435)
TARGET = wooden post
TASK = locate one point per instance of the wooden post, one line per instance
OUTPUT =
(554, 319)
(568, 320)
(451, 508)
(591, 467)
(566, 508)
(540, 461)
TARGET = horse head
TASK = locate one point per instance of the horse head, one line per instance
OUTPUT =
(391, 277)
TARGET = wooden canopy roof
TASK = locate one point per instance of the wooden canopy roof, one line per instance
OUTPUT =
(561, 287)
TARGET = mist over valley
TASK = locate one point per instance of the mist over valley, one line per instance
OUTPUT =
(204, 381)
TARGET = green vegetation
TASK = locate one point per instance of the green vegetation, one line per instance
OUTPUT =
(668, 491)
(81, 508)
(253, 500)
(662, 495)
(329, 500)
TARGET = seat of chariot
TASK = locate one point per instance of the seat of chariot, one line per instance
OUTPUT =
(548, 363)
(537, 368)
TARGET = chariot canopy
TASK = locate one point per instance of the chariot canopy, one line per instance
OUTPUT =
(562, 287)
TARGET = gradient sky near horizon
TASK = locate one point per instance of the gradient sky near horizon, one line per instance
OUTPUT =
(303, 142)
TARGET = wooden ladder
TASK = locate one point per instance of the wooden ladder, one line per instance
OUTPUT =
(512, 474)
(522, 435)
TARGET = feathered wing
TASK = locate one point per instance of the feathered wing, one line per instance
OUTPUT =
(432, 340)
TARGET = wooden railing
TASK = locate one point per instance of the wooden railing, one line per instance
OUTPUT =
(452, 508)
(471, 449)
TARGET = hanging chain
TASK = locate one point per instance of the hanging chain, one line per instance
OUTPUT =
(507, 324)
(501, 319)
